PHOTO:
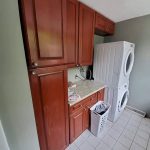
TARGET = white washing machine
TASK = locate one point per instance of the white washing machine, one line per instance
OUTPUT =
(119, 100)
(113, 62)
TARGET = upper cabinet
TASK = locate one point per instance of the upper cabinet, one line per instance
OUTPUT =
(60, 32)
(103, 26)
(86, 34)
(44, 26)
(72, 32)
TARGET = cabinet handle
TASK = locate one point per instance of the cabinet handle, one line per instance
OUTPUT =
(77, 65)
(78, 106)
(88, 107)
(34, 64)
(33, 73)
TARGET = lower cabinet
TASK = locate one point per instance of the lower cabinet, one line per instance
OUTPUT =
(88, 103)
(100, 95)
(80, 116)
(49, 94)
(86, 119)
(76, 124)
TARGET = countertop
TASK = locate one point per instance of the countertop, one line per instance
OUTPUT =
(86, 88)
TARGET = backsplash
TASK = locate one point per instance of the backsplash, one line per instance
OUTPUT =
(72, 72)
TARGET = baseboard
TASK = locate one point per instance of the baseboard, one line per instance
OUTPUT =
(141, 113)
(147, 116)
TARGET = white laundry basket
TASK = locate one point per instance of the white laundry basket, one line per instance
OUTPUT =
(98, 121)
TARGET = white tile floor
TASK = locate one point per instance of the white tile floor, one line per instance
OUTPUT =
(130, 132)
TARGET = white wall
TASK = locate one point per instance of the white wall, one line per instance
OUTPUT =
(98, 39)
(3, 141)
(137, 31)
(16, 110)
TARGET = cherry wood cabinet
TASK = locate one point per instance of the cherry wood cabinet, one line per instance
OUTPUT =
(49, 94)
(44, 31)
(72, 32)
(57, 33)
(86, 34)
(103, 26)
(110, 27)
(60, 32)
(100, 95)
(89, 102)
(100, 22)
(76, 124)
(79, 114)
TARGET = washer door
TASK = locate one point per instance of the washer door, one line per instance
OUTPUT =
(123, 98)
(129, 63)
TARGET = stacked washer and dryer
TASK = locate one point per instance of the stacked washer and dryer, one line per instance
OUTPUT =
(113, 63)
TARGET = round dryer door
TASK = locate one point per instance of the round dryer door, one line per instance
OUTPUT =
(123, 98)
(129, 63)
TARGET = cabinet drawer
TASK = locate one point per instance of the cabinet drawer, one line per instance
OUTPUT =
(76, 107)
(100, 95)
(91, 100)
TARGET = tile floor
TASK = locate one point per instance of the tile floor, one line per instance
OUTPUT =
(130, 132)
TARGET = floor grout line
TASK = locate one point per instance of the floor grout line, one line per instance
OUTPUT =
(135, 135)
(129, 121)
(122, 132)
(148, 142)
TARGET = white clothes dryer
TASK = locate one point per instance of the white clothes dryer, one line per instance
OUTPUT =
(127, 63)
(113, 62)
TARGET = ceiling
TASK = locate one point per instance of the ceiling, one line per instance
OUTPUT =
(120, 10)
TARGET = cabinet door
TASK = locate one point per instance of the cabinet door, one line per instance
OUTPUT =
(100, 95)
(72, 32)
(49, 93)
(76, 124)
(44, 31)
(86, 34)
(89, 102)
(100, 22)
(110, 27)
(103, 26)
(86, 117)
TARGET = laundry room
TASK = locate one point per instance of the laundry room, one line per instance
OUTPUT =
(75, 75)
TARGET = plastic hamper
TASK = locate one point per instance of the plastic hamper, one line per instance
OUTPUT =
(98, 121)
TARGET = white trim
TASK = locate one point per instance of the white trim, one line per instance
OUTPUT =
(141, 113)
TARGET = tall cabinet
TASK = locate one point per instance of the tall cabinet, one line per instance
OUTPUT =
(49, 87)
(44, 33)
